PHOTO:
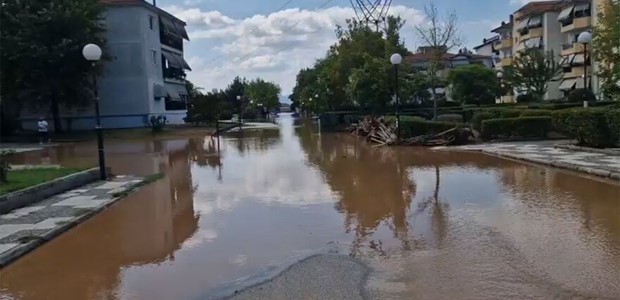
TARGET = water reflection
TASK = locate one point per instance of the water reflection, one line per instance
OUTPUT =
(446, 224)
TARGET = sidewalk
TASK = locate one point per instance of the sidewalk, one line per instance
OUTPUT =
(598, 164)
(25, 229)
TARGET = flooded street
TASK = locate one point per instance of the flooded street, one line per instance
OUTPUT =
(431, 224)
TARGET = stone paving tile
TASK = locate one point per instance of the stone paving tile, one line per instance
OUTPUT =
(596, 162)
(36, 221)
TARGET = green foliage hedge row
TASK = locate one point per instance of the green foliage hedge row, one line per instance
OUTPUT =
(488, 114)
(516, 127)
(414, 126)
(595, 127)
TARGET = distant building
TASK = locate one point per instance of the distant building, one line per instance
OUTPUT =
(146, 73)
(420, 61)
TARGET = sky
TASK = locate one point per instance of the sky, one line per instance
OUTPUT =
(274, 39)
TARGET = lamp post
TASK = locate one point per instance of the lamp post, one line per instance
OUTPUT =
(500, 76)
(92, 53)
(585, 38)
(239, 110)
(396, 59)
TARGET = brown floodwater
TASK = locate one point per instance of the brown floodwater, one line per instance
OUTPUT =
(432, 224)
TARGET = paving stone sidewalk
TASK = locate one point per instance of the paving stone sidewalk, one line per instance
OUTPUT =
(24, 229)
(599, 164)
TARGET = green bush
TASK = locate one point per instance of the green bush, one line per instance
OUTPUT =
(249, 114)
(536, 113)
(450, 118)
(415, 126)
(510, 113)
(480, 116)
(524, 127)
(595, 127)
(581, 95)
(157, 123)
(525, 98)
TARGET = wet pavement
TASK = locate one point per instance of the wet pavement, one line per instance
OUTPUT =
(430, 224)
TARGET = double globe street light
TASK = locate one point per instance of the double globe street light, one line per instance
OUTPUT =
(585, 38)
(92, 53)
(396, 59)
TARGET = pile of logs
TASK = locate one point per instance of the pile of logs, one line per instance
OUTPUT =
(380, 132)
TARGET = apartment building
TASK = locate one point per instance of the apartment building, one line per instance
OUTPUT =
(145, 75)
(421, 58)
(548, 26)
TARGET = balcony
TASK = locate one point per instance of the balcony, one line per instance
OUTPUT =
(171, 41)
(532, 33)
(173, 73)
(571, 48)
(576, 72)
(582, 23)
(505, 44)
(505, 62)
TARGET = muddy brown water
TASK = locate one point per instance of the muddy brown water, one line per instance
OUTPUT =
(432, 224)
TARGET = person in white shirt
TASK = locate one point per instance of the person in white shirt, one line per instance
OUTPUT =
(43, 131)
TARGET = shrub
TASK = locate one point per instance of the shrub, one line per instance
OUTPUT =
(536, 113)
(249, 114)
(450, 118)
(510, 113)
(157, 123)
(516, 127)
(525, 98)
(5, 155)
(480, 116)
(594, 127)
(415, 126)
(581, 95)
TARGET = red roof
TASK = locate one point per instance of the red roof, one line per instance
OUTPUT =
(540, 7)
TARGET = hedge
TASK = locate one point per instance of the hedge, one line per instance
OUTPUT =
(516, 127)
(450, 118)
(414, 126)
(595, 127)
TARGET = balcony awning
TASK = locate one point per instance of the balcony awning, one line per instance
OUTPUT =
(578, 59)
(566, 60)
(535, 21)
(159, 91)
(579, 81)
(175, 60)
(533, 42)
(171, 27)
(568, 84)
(522, 25)
(175, 91)
(582, 7)
(566, 13)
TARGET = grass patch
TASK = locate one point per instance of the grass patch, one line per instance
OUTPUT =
(21, 179)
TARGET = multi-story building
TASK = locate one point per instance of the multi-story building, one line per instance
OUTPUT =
(549, 26)
(145, 74)
(421, 59)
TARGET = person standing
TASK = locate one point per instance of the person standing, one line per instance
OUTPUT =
(43, 130)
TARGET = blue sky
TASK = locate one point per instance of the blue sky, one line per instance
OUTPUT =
(273, 39)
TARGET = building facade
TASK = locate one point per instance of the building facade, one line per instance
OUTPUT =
(145, 75)
(549, 26)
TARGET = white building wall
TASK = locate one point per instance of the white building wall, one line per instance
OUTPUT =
(552, 41)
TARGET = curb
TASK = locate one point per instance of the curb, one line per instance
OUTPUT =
(596, 172)
(13, 254)
(588, 149)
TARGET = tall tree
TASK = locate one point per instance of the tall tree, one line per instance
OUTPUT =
(440, 35)
(41, 45)
(473, 84)
(606, 46)
(263, 93)
(531, 72)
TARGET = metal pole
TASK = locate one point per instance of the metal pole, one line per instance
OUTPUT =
(98, 130)
(397, 103)
(585, 74)
(239, 119)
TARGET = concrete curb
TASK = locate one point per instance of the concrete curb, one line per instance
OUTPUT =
(596, 172)
(11, 255)
(27, 196)
(588, 149)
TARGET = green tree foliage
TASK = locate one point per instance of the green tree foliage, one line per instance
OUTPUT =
(359, 52)
(606, 46)
(206, 108)
(531, 72)
(263, 93)
(473, 84)
(41, 45)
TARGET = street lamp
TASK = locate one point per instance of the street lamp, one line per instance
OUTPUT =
(239, 110)
(92, 53)
(500, 76)
(396, 59)
(585, 38)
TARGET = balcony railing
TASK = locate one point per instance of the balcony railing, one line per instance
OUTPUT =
(567, 46)
(173, 73)
(171, 41)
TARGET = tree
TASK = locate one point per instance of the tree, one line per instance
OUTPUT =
(41, 45)
(473, 84)
(264, 93)
(606, 47)
(531, 72)
(440, 35)
(368, 86)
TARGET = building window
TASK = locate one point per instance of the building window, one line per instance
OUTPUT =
(151, 21)
(154, 56)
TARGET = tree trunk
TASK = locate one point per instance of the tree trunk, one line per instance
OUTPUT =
(55, 109)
